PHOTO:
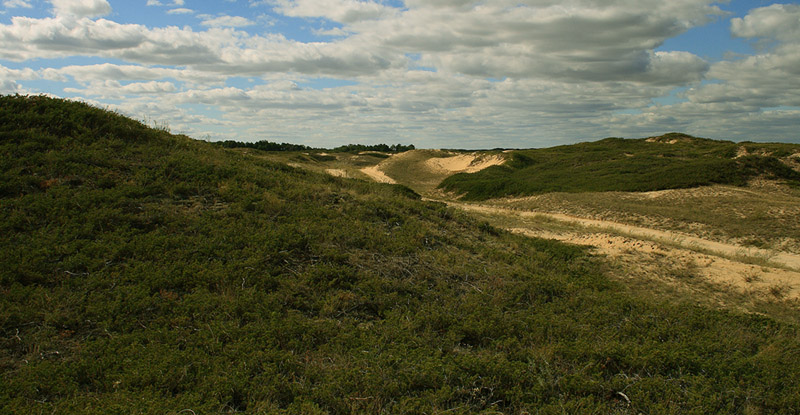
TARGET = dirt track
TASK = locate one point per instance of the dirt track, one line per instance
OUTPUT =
(643, 252)
(646, 250)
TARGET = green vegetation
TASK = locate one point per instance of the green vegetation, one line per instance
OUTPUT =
(349, 148)
(673, 161)
(264, 145)
(762, 217)
(411, 170)
(149, 273)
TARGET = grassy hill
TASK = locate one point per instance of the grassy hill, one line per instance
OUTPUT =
(142, 272)
(672, 161)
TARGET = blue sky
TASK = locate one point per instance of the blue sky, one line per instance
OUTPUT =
(435, 73)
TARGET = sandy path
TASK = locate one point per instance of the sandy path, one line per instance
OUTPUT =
(649, 252)
(649, 259)
(376, 174)
(781, 259)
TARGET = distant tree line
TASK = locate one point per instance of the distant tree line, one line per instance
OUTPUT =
(349, 148)
(265, 145)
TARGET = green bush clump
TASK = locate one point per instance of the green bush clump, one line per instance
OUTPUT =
(150, 273)
(673, 161)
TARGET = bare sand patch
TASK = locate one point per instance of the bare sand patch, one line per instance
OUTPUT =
(747, 269)
(463, 163)
(780, 259)
(336, 172)
(376, 174)
(648, 258)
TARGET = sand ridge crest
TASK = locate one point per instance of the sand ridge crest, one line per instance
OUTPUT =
(464, 163)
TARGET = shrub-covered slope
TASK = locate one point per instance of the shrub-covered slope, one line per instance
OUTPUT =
(142, 272)
(672, 161)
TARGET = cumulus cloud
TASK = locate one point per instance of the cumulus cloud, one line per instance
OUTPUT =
(180, 10)
(9, 79)
(81, 8)
(433, 72)
(220, 50)
(778, 21)
(11, 4)
(344, 11)
(115, 90)
(765, 80)
(578, 40)
(226, 21)
(107, 71)
(159, 3)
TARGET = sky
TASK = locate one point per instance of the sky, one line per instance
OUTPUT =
(433, 73)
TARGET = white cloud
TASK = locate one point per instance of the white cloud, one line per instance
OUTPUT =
(226, 21)
(345, 11)
(10, 4)
(81, 8)
(578, 40)
(495, 70)
(87, 73)
(769, 79)
(219, 50)
(9, 79)
(111, 89)
(572, 41)
(159, 3)
(778, 21)
(180, 11)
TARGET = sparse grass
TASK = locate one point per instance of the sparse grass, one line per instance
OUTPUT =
(615, 164)
(763, 217)
(150, 273)
(751, 277)
(684, 271)
(409, 170)
(779, 291)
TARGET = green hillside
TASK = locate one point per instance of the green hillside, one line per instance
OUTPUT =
(672, 161)
(142, 272)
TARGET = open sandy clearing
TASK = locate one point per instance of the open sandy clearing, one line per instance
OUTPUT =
(780, 259)
(463, 163)
(423, 170)
(647, 250)
(376, 174)
(646, 257)
(336, 172)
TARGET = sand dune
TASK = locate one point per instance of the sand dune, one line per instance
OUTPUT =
(376, 174)
(336, 172)
(464, 163)
(744, 268)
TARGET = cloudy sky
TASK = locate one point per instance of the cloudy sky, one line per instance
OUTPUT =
(435, 73)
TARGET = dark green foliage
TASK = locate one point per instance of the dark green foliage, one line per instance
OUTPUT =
(149, 273)
(672, 161)
(349, 148)
(357, 148)
(264, 145)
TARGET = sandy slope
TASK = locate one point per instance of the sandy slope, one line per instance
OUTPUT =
(375, 173)
(336, 172)
(648, 250)
(463, 163)
(423, 170)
